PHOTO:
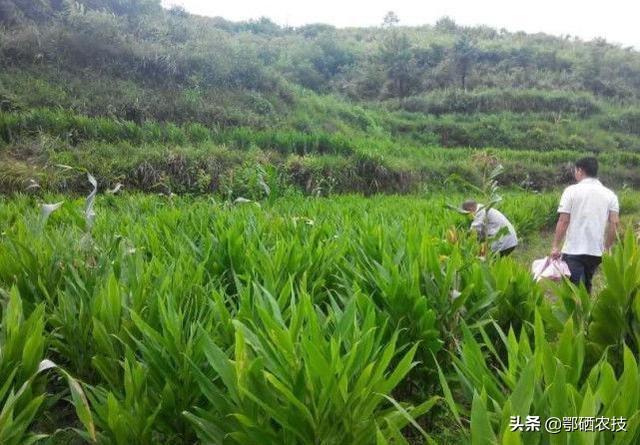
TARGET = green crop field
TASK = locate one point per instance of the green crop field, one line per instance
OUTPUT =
(341, 320)
(242, 233)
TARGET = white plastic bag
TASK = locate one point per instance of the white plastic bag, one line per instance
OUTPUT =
(550, 269)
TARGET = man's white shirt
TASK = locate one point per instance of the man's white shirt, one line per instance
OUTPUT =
(588, 203)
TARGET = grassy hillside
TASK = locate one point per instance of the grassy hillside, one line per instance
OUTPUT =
(164, 100)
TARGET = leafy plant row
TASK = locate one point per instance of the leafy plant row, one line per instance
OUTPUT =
(297, 321)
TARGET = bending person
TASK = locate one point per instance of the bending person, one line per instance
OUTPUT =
(491, 223)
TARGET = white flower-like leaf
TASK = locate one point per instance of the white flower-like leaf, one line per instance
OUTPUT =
(116, 189)
(33, 184)
(89, 213)
(48, 209)
(307, 221)
(265, 186)
(45, 365)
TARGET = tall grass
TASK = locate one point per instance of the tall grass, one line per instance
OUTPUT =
(492, 101)
(302, 320)
(75, 128)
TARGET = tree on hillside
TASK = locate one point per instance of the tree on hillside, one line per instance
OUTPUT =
(446, 24)
(590, 72)
(14, 11)
(390, 20)
(464, 55)
(8, 12)
(397, 56)
(124, 7)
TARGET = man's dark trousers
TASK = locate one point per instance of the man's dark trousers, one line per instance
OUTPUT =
(582, 268)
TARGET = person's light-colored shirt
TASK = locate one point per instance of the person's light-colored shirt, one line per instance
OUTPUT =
(588, 204)
(490, 223)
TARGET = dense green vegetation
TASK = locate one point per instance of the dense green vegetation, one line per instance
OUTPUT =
(298, 321)
(248, 297)
(85, 78)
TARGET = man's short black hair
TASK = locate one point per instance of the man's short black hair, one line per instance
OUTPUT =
(589, 165)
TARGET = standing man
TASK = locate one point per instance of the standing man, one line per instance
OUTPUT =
(491, 223)
(588, 223)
